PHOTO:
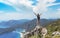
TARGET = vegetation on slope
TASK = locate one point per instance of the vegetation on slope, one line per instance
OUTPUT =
(52, 27)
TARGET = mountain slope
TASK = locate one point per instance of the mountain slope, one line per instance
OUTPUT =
(51, 27)
(11, 23)
(27, 25)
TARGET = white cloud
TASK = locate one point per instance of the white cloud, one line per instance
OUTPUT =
(51, 4)
(17, 2)
(51, 1)
(15, 16)
(26, 2)
(42, 6)
(53, 15)
(9, 2)
(42, 3)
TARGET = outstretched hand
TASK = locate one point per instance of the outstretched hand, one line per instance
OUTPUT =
(37, 14)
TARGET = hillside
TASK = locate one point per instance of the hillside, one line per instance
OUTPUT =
(52, 27)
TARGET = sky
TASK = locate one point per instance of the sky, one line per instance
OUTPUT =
(25, 9)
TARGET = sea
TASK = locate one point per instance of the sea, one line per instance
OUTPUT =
(13, 34)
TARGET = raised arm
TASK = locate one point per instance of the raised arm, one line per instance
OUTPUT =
(35, 13)
(40, 14)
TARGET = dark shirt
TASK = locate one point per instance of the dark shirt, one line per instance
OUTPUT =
(38, 16)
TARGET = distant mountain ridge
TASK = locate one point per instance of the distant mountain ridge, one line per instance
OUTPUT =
(29, 25)
(12, 22)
